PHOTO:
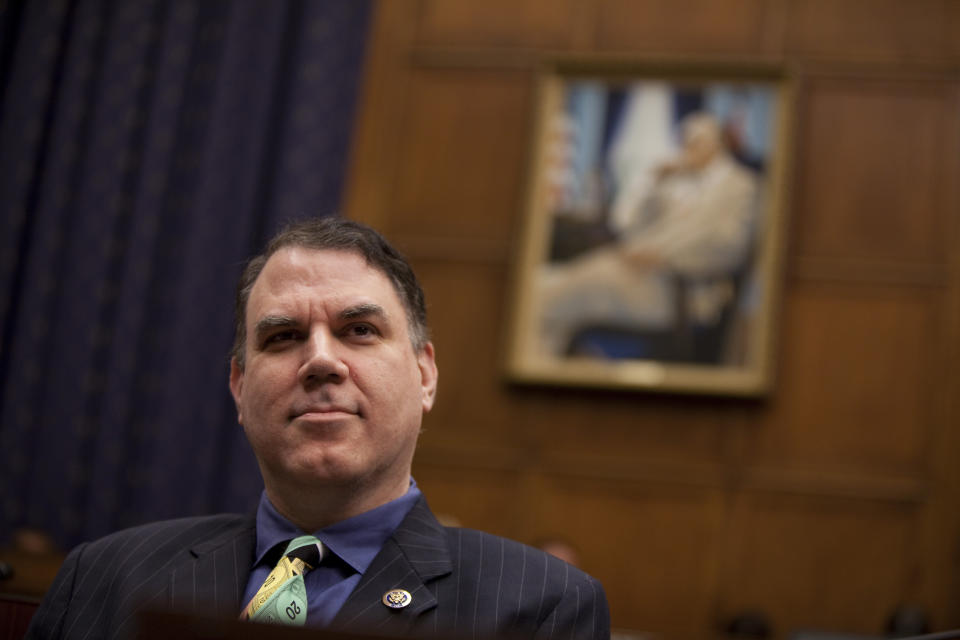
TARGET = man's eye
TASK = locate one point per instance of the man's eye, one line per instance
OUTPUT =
(282, 336)
(360, 331)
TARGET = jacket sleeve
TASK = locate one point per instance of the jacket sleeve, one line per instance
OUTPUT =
(582, 613)
(47, 623)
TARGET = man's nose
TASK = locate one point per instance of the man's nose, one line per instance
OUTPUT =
(322, 361)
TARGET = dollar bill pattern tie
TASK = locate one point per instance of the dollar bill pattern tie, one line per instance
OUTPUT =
(282, 598)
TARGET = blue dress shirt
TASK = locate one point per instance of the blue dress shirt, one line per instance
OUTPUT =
(350, 545)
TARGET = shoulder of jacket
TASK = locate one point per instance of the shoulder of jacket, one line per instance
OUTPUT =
(194, 526)
(471, 540)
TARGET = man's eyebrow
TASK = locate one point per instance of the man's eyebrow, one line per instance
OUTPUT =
(267, 323)
(364, 310)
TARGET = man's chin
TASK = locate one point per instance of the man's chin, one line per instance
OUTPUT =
(328, 473)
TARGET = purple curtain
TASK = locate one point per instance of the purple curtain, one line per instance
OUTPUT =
(147, 148)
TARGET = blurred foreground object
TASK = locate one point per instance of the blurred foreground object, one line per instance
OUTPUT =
(29, 564)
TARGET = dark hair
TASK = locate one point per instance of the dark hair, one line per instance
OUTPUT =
(344, 235)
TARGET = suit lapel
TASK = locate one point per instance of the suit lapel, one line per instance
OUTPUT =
(414, 556)
(212, 580)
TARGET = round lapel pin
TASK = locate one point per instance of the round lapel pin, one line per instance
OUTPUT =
(397, 598)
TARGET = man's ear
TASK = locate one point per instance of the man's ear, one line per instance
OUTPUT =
(236, 386)
(428, 375)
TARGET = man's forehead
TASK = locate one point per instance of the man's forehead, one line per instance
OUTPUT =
(337, 273)
(318, 265)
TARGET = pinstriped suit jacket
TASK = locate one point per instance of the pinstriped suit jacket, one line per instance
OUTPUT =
(463, 583)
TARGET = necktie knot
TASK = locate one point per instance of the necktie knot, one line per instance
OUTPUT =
(283, 596)
(307, 549)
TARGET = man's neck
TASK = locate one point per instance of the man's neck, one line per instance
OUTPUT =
(312, 508)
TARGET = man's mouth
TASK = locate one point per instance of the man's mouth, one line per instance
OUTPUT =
(322, 411)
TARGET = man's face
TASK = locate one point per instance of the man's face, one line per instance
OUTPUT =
(701, 143)
(333, 392)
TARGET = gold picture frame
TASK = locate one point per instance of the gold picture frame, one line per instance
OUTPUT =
(651, 249)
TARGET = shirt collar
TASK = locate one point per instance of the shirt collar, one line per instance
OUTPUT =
(356, 540)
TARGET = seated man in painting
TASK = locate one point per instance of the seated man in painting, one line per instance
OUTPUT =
(678, 265)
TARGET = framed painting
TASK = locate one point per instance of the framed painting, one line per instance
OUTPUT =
(652, 236)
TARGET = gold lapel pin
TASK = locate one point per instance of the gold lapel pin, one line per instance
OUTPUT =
(397, 598)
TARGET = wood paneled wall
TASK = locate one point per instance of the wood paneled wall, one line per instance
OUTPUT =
(825, 505)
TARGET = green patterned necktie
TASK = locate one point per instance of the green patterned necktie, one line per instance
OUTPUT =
(282, 598)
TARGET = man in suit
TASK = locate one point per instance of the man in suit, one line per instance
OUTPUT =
(331, 372)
